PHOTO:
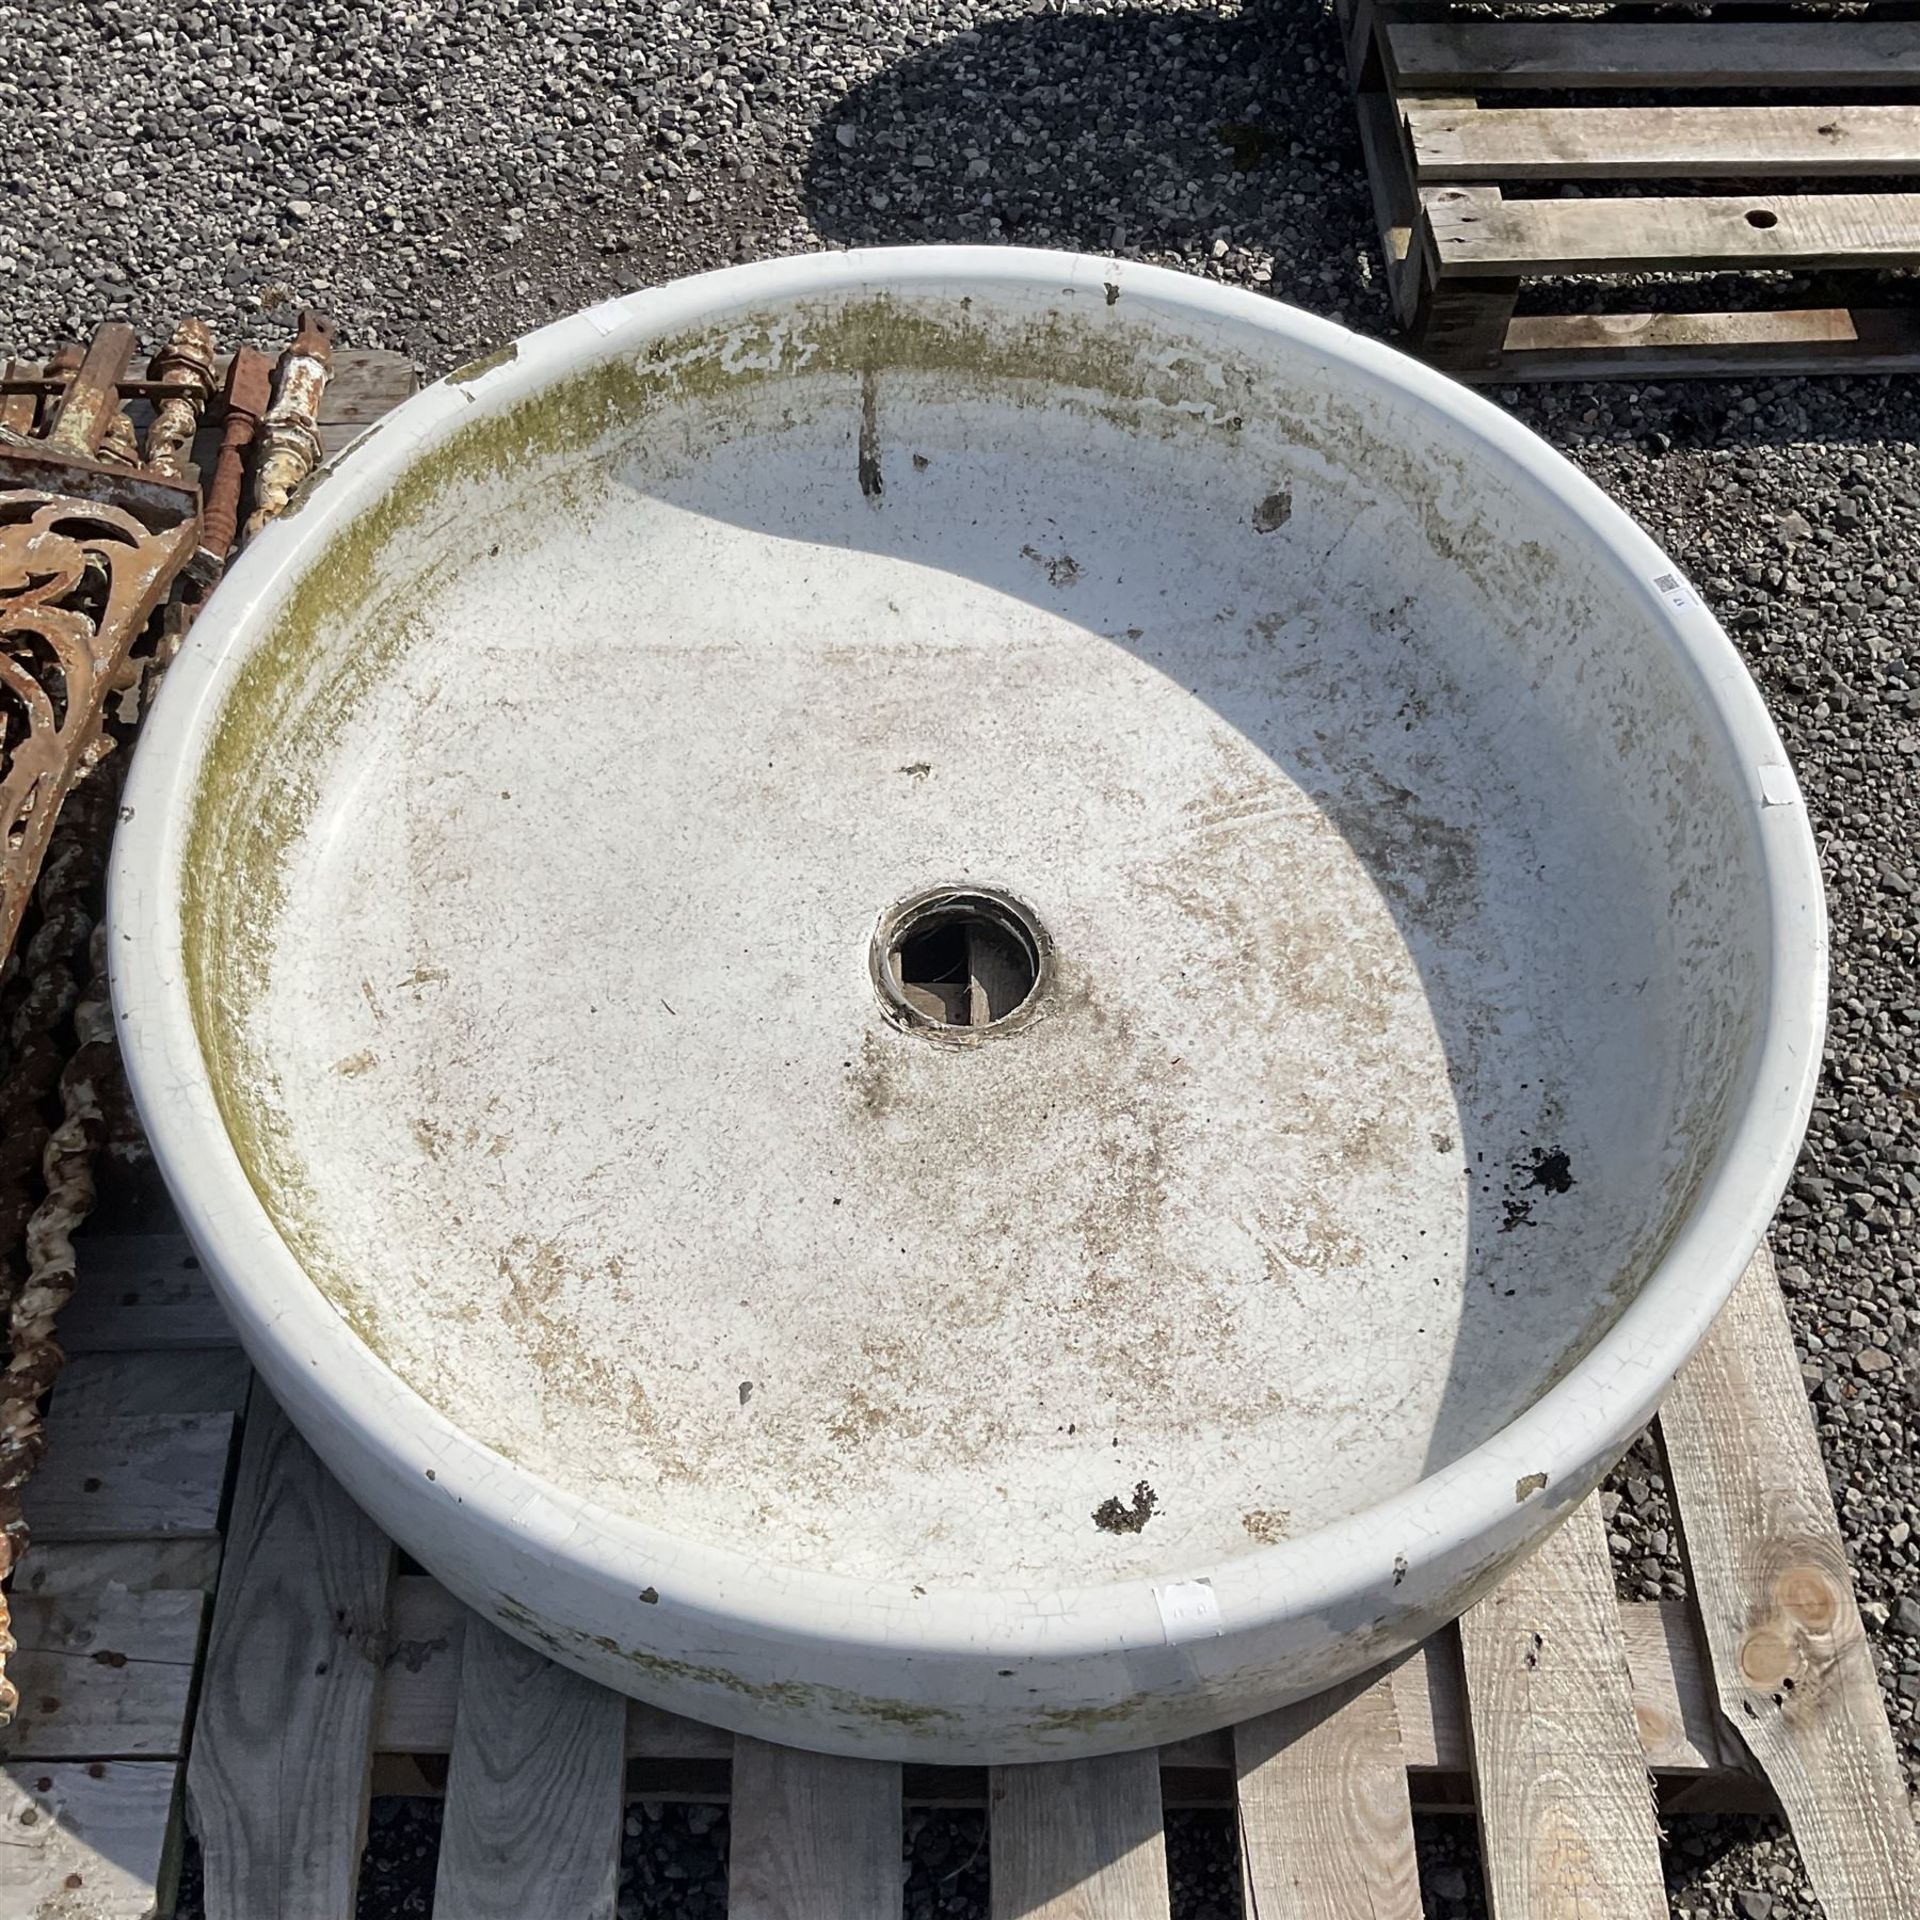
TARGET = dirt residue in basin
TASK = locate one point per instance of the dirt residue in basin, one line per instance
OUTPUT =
(1547, 1169)
(1266, 1525)
(1550, 1169)
(1273, 512)
(1112, 1516)
(1061, 569)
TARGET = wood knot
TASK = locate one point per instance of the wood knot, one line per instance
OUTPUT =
(1765, 1659)
(1809, 1595)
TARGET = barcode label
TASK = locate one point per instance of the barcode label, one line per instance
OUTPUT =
(1188, 1610)
(1668, 583)
(1673, 590)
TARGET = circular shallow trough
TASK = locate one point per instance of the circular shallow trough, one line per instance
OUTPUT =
(965, 1004)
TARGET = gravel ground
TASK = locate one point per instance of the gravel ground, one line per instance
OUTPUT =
(447, 174)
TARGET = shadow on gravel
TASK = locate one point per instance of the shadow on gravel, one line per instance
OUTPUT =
(1160, 136)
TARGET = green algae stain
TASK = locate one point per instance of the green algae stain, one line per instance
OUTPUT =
(484, 363)
(1087, 1719)
(796, 1696)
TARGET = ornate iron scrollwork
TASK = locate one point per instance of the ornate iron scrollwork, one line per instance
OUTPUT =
(79, 580)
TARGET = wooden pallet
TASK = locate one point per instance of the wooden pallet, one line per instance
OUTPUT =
(1446, 151)
(329, 1674)
(211, 1633)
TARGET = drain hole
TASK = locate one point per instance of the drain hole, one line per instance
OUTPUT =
(965, 973)
(1763, 217)
(961, 960)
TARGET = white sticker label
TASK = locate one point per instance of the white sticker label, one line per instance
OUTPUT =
(1188, 1610)
(606, 316)
(1673, 590)
(1778, 788)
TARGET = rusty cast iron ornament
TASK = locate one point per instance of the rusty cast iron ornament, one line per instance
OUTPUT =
(290, 434)
(95, 531)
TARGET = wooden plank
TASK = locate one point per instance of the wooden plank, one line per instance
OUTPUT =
(1566, 1808)
(140, 1291)
(420, 1677)
(88, 1842)
(90, 1567)
(1659, 143)
(1466, 233)
(1355, 22)
(417, 1702)
(1707, 345)
(1682, 1730)
(1483, 55)
(364, 386)
(1461, 324)
(815, 1836)
(1078, 1840)
(1396, 207)
(366, 382)
(121, 1479)
(1326, 1827)
(655, 1734)
(106, 1386)
(532, 1826)
(996, 984)
(1790, 1657)
(1430, 1706)
(282, 1744)
(103, 1677)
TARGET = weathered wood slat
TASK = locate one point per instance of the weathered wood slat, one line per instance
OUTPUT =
(532, 1826)
(1078, 1840)
(815, 1836)
(118, 1479)
(105, 1386)
(1655, 143)
(103, 1677)
(1681, 1727)
(1465, 233)
(1790, 1657)
(1462, 324)
(1356, 20)
(364, 386)
(136, 1292)
(416, 1705)
(1488, 54)
(366, 383)
(1565, 1804)
(92, 1569)
(88, 1842)
(282, 1742)
(1705, 345)
(418, 1699)
(655, 1734)
(1326, 1827)
(1396, 207)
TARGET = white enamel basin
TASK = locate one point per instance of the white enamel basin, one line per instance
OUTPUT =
(573, 932)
